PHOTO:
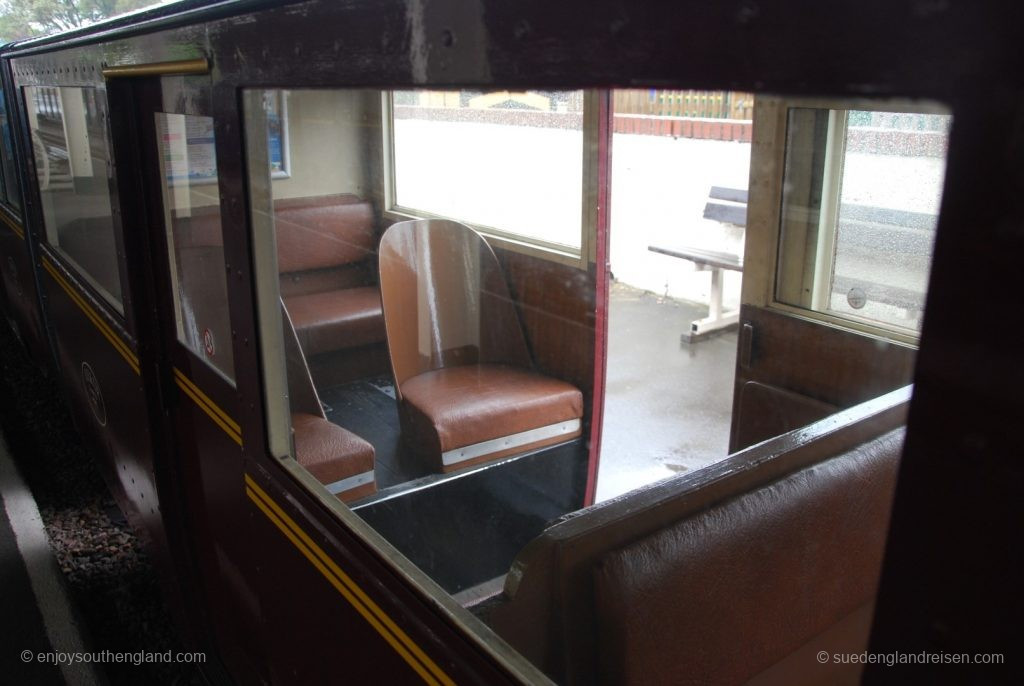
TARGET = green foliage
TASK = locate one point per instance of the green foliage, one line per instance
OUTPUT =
(25, 18)
(13, 22)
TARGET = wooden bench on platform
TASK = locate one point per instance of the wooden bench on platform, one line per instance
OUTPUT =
(727, 205)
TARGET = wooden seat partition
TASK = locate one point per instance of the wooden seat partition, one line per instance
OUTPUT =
(738, 572)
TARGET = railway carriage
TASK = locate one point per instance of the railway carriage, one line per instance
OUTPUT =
(327, 285)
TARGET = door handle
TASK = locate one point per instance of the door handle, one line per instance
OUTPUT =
(746, 345)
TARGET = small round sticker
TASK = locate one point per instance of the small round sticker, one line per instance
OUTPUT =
(94, 394)
(857, 298)
(208, 343)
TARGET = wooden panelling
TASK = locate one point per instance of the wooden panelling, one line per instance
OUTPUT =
(824, 364)
(556, 305)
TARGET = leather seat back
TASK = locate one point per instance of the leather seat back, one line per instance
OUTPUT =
(721, 575)
(723, 595)
(323, 232)
(445, 300)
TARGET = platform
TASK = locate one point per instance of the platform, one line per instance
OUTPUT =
(37, 617)
(668, 405)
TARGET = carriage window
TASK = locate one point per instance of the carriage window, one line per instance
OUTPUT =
(400, 376)
(859, 211)
(510, 164)
(188, 168)
(8, 172)
(74, 167)
(435, 389)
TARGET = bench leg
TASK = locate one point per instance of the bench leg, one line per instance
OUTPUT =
(715, 306)
(716, 319)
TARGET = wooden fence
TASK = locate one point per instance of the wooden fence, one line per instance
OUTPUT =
(699, 104)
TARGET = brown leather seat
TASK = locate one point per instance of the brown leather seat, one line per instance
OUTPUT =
(325, 247)
(323, 232)
(467, 388)
(757, 584)
(331, 320)
(340, 460)
(456, 407)
(740, 572)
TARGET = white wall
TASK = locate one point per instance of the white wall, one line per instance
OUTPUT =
(330, 135)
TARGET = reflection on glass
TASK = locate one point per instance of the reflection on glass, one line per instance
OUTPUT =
(195, 243)
(9, 171)
(277, 132)
(860, 205)
(73, 165)
(507, 161)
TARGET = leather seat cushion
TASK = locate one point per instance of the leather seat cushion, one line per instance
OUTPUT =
(327, 451)
(459, 406)
(335, 320)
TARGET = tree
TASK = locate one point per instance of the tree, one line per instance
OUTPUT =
(24, 18)
(13, 22)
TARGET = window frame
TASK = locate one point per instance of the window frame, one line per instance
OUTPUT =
(764, 249)
(580, 258)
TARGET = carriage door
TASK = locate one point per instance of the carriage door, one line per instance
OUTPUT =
(844, 200)
(194, 339)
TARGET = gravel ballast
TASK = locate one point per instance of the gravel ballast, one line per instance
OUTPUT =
(111, 580)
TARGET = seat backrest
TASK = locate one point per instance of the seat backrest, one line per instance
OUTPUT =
(727, 594)
(720, 575)
(446, 302)
(323, 232)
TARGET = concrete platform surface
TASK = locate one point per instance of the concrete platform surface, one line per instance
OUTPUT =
(668, 405)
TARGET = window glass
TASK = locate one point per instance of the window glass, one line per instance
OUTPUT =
(859, 210)
(195, 243)
(510, 163)
(8, 172)
(71, 145)
(342, 374)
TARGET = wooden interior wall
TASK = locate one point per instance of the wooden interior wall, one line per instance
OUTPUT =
(810, 368)
(556, 306)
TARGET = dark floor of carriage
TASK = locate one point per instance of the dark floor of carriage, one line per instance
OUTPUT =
(463, 529)
(367, 407)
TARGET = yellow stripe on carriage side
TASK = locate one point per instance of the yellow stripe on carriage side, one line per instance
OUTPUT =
(90, 313)
(13, 226)
(218, 416)
(221, 418)
(371, 612)
(196, 391)
(409, 659)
